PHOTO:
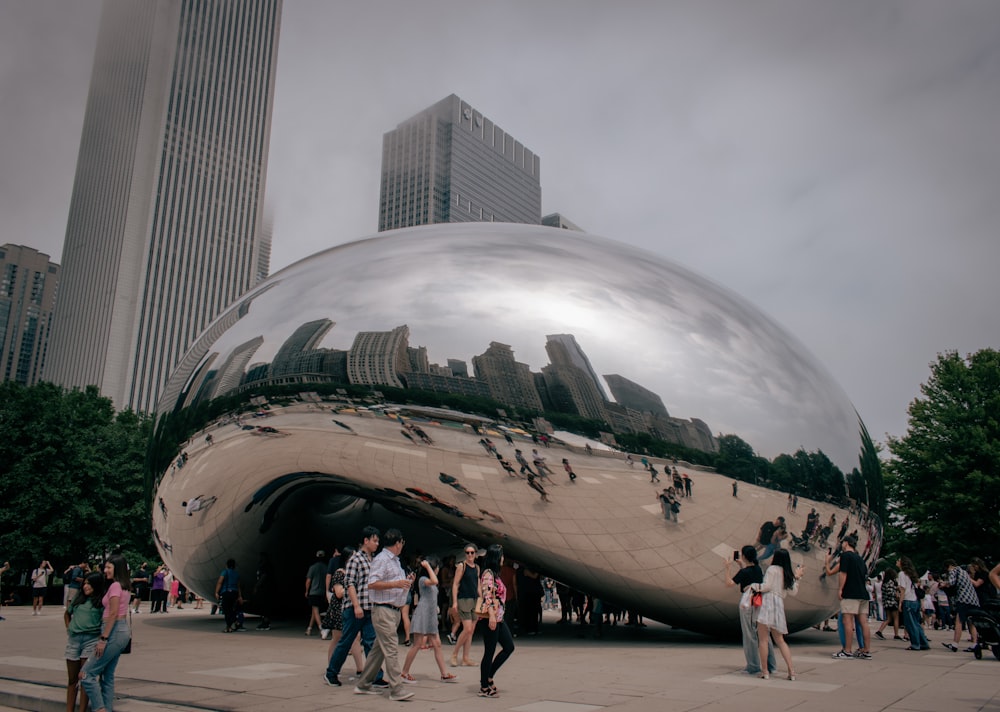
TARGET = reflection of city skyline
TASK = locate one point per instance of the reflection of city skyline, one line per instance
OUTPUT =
(567, 384)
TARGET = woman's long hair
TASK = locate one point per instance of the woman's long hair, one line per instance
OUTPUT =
(907, 567)
(784, 560)
(121, 571)
(96, 581)
(492, 559)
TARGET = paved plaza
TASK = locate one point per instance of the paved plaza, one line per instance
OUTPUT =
(182, 661)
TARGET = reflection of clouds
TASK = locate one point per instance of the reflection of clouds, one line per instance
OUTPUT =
(705, 351)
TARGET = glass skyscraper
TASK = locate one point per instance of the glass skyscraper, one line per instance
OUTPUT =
(449, 163)
(165, 222)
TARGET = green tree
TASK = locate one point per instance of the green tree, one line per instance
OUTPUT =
(736, 458)
(71, 476)
(943, 479)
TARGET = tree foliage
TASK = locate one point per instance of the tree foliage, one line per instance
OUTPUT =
(944, 476)
(71, 476)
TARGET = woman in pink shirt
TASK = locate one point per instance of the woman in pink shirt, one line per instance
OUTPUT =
(98, 675)
(494, 629)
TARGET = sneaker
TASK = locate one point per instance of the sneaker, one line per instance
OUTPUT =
(951, 647)
(408, 678)
(401, 695)
(863, 655)
(972, 649)
(380, 685)
(324, 634)
(878, 634)
(452, 639)
(331, 679)
(842, 655)
(369, 691)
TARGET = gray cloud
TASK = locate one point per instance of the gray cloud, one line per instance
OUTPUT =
(833, 163)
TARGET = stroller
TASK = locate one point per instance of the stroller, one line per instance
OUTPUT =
(987, 622)
(800, 542)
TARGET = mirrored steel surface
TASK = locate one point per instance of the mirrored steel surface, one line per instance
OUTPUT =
(533, 318)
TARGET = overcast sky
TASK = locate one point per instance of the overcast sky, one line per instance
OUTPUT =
(837, 163)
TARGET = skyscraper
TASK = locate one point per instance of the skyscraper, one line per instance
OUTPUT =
(28, 283)
(449, 163)
(164, 227)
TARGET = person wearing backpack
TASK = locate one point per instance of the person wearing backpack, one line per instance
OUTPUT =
(227, 590)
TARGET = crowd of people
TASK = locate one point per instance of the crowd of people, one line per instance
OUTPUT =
(897, 596)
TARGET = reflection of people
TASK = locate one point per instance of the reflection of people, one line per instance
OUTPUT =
(454, 483)
(197, 504)
(569, 470)
(494, 629)
(749, 574)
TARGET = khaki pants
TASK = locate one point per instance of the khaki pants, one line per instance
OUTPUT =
(385, 650)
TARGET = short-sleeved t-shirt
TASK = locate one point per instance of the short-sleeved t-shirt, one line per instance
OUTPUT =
(857, 574)
(748, 575)
(317, 578)
(115, 589)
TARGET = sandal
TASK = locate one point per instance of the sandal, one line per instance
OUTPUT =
(468, 663)
(448, 677)
(487, 692)
(408, 678)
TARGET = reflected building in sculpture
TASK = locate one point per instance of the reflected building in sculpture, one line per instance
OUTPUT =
(342, 451)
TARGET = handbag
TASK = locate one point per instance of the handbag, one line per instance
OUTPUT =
(128, 646)
(481, 610)
(758, 599)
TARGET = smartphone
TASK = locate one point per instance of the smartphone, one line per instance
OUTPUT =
(736, 556)
(829, 552)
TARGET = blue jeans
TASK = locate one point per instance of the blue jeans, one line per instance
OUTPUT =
(350, 628)
(911, 621)
(97, 678)
(859, 638)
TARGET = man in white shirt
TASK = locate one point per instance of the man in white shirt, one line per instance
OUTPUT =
(388, 585)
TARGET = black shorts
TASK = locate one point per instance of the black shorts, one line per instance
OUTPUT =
(318, 601)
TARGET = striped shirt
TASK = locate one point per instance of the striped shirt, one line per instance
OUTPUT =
(356, 575)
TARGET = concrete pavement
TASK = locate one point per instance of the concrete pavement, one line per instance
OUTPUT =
(182, 661)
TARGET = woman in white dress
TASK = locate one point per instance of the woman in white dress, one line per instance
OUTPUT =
(779, 580)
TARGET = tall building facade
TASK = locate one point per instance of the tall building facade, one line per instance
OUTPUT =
(28, 285)
(449, 163)
(377, 358)
(165, 221)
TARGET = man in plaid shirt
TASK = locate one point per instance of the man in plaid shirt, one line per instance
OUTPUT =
(357, 617)
(965, 598)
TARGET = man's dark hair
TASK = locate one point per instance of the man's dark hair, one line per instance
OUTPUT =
(851, 541)
(391, 538)
(369, 532)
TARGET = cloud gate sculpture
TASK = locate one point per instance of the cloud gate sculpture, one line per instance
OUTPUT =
(440, 379)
